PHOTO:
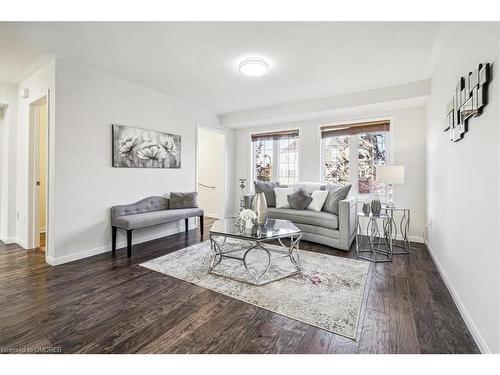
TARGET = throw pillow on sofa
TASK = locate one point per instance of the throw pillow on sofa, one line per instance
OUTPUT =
(282, 196)
(184, 200)
(299, 200)
(318, 200)
(335, 195)
(268, 189)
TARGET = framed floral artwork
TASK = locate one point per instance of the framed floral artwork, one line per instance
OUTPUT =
(141, 148)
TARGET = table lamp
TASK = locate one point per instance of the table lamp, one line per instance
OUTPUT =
(390, 175)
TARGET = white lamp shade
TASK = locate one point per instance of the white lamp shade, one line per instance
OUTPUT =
(391, 174)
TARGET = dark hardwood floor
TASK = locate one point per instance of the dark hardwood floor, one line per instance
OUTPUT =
(107, 304)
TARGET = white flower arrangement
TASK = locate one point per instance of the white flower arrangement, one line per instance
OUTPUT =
(249, 216)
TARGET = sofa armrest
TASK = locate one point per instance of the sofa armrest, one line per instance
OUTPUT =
(248, 199)
(347, 222)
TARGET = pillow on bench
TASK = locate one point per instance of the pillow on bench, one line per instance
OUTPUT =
(184, 200)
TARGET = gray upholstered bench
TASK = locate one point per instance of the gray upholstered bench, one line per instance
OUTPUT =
(147, 212)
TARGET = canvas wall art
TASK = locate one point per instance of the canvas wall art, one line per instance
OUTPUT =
(141, 148)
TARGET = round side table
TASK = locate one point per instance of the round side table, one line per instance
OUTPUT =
(375, 244)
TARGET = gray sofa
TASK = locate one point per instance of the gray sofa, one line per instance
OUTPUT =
(322, 227)
(147, 212)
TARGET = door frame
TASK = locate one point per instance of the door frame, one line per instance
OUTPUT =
(33, 173)
(197, 145)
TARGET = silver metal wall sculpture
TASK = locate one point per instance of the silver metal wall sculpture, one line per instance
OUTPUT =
(469, 99)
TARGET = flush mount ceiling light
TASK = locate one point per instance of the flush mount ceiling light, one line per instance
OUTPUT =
(254, 67)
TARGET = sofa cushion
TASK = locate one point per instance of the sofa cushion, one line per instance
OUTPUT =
(282, 196)
(184, 200)
(268, 189)
(314, 229)
(156, 217)
(318, 200)
(335, 195)
(299, 200)
(320, 219)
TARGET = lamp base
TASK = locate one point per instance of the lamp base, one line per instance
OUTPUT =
(388, 196)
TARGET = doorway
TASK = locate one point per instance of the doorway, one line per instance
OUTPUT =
(39, 121)
(211, 171)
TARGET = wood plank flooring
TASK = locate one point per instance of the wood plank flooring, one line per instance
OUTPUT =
(107, 304)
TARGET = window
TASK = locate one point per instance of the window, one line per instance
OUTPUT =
(351, 152)
(275, 156)
(336, 159)
(371, 152)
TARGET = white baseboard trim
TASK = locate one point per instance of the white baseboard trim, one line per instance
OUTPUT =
(21, 243)
(478, 338)
(55, 261)
(8, 240)
(418, 239)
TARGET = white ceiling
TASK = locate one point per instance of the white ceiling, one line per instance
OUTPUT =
(197, 61)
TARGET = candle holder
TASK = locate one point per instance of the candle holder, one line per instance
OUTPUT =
(242, 198)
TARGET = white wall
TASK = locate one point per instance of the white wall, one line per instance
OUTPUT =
(463, 183)
(211, 169)
(88, 102)
(407, 148)
(39, 84)
(8, 163)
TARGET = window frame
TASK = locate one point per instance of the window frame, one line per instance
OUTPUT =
(276, 154)
(353, 150)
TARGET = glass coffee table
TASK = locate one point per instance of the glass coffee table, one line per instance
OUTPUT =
(254, 242)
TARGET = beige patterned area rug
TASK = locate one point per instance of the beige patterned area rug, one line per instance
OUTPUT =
(328, 294)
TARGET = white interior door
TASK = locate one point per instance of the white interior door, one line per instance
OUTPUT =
(211, 172)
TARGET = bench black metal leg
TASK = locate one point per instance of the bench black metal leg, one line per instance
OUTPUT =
(129, 243)
(186, 226)
(113, 238)
(201, 225)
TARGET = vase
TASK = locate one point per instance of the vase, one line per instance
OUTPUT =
(259, 206)
(366, 208)
(376, 207)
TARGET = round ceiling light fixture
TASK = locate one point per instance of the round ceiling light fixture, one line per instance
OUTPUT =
(254, 67)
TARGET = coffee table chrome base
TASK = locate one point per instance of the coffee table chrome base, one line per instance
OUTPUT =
(290, 252)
